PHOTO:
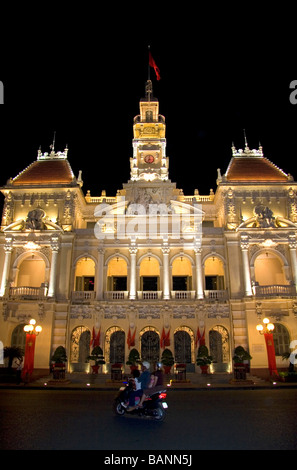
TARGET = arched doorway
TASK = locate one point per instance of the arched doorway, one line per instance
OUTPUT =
(115, 345)
(117, 274)
(84, 274)
(31, 272)
(18, 337)
(150, 345)
(219, 348)
(269, 270)
(182, 347)
(80, 349)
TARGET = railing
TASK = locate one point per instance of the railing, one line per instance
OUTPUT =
(182, 294)
(83, 296)
(27, 293)
(216, 294)
(149, 294)
(276, 290)
(116, 295)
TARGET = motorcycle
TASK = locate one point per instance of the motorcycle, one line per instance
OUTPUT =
(154, 406)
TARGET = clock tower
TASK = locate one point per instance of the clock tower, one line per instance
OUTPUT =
(149, 161)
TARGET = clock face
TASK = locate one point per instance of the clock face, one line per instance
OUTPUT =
(149, 159)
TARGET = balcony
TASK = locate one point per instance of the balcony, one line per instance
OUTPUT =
(83, 297)
(182, 294)
(149, 294)
(27, 293)
(116, 295)
(276, 290)
(213, 295)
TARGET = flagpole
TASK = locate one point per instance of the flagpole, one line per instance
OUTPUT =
(148, 68)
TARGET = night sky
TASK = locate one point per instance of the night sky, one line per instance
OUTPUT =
(84, 77)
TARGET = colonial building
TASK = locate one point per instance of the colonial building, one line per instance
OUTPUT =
(150, 267)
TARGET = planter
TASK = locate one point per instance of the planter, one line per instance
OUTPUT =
(239, 371)
(204, 369)
(167, 369)
(59, 371)
(95, 369)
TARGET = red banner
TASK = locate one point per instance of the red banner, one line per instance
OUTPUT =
(29, 354)
(270, 353)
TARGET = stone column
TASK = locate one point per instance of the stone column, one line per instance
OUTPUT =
(133, 252)
(99, 276)
(53, 273)
(199, 274)
(246, 266)
(292, 246)
(166, 277)
(6, 267)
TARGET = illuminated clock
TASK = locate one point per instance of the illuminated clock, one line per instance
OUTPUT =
(149, 159)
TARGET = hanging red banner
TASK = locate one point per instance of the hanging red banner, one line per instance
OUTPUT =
(270, 353)
(29, 354)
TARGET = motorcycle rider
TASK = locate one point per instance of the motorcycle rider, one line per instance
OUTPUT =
(155, 385)
(144, 380)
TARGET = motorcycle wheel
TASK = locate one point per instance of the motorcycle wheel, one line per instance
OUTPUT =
(159, 414)
(118, 408)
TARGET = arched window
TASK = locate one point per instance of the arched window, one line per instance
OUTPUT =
(181, 274)
(84, 274)
(269, 270)
(214, 273)
(117, 275)
(281, 339)
(31, 271)
(149, 274)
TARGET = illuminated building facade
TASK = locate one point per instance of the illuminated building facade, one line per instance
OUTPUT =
(150, 267)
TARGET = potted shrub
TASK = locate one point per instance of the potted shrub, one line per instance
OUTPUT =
(167, 360)
(133, 359)
(203, 359)
(59, 358)
(97, 356)
(240, 355)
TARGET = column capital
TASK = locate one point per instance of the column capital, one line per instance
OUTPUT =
(292, 241)
(244, 242)
(55, 244)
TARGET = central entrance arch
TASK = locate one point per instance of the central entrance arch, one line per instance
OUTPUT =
(150, 345)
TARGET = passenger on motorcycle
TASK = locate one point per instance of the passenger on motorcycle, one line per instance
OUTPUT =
(155, 385)
(144, 380)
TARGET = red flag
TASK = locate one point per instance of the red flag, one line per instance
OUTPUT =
(153, 64)
(92, 342)
(162, 341)
(167, 338)
(129, 338)
(132, 342)
(97, 340)
(197, 337)
(270, 353)
(29, 355)
(202, 339)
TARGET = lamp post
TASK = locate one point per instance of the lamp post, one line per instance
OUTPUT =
(266, 329)
(32, 330)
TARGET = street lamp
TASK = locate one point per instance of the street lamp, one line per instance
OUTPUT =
(32, 330)
(266, 329)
